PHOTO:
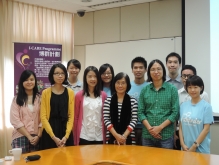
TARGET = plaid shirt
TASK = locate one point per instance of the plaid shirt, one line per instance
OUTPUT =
(158, 106)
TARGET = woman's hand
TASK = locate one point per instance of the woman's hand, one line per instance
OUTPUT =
(184, 147)
(35, 140)
(192, 148)
(155, 132)
(120, 139)
(63, 141)
(57, 141)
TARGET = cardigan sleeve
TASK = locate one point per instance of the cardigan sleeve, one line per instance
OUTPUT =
(71, 101)
(45, 107)
(15, 115)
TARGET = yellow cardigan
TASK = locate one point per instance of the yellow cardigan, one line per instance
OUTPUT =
(45, 111)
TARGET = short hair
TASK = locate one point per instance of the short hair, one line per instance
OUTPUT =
(75, 62)
(190, 67)
(22, 95)
(119, 76)
(97, 89)
(149, 68)
(102, 69)
(51, 73)
(195, 81)
(173, 54)
(139, 59)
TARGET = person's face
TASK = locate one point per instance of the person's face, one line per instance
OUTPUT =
(156, 72)
(138, 70)
(194, 91)
(173, 65)
(91, 78)
(58, 76)
(121, 86)
(185, 75)
(107, 76)
(29, 83)
(73, 70)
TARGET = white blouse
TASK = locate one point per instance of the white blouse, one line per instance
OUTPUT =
(92, 119)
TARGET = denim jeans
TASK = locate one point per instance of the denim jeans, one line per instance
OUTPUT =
(168, 143)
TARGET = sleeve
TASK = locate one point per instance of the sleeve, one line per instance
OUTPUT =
(208, 115)
(15, 118)
(106, 113)
(39, 102)
(134, 114)
(174, 105)
(71, 101)
(77, 105)
(141, 106)
(43, 114)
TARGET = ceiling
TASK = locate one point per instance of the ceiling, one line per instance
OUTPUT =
(73, 6)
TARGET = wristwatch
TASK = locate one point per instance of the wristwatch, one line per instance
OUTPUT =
(197, 145)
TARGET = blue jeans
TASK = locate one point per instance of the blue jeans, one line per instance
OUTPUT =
(168, 143)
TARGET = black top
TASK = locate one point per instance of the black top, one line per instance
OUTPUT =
(58, 120)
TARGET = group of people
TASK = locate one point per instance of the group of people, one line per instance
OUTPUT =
(166, 110)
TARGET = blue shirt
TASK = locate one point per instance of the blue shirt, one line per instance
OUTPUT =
(76, 88)
(107, 91)
(192, 118)
(136, 89)
(135, 92)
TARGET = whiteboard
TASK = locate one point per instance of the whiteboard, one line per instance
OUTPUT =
(120, 54)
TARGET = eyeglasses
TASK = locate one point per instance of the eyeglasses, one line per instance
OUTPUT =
(158, 70)
(106, 74)
(184, 76)
(122, 83)
(59, 74)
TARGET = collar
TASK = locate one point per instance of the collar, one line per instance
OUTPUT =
(164, 85)
(78, 83)
(178, 78)
(182, 90)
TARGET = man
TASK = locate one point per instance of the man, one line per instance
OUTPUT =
(173, 63)
(186, 72)
(158, 108)
(139, 68)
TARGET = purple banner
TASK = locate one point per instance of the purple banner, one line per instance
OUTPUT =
(38, 58)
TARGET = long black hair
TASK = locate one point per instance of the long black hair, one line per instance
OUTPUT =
(102, 69)
(97, 89)
(22, 95)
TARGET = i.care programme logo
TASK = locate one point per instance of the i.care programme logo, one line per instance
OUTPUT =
(23, 59)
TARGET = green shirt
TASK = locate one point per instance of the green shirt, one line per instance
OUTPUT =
(158, 106)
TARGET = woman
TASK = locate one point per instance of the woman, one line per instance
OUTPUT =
(120, 112)
(57, 110)
(74, 67)
(88, 122)
(107, 74)
(25, 114)
(158, 108)
(195, 119)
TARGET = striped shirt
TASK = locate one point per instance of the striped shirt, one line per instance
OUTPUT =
(156, 106)
(133, 120)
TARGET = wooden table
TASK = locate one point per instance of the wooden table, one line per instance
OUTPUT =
(91, 154)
